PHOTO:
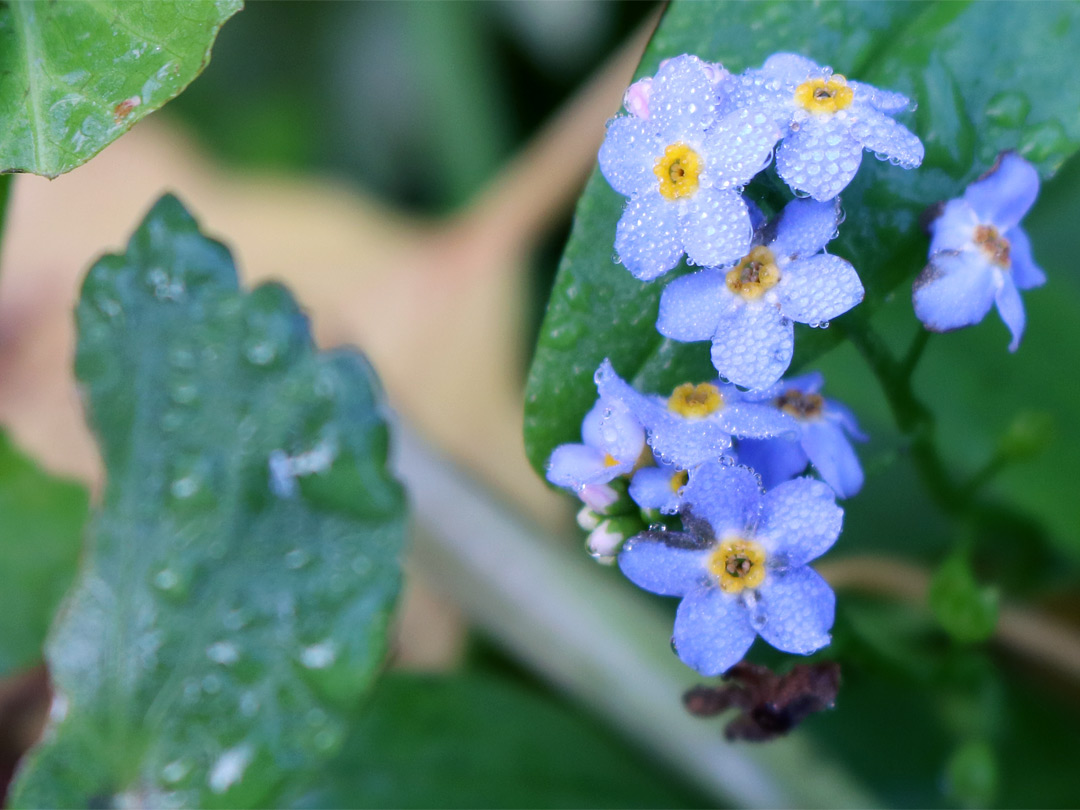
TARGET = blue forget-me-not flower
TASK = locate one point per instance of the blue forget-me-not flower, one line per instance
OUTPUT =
(659, 487)
(979, 254)
(747, 311)
(613, 440)
(824, 428)
(682, 168)
(826, 122)
(740, 566)
(695, 424)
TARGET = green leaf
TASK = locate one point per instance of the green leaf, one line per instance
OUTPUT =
(967, 611)
(480, 741)
(41, 523)
(75, 75)
(971, 776)
(229, 614)
(987, 77)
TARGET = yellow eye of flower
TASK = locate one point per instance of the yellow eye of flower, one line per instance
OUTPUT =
(821, 96)
(610, 460)
(696, 401)
(754, 274)
(800, 405)
(994, 245)
(678, 480)
(737, 564)
(677, 170)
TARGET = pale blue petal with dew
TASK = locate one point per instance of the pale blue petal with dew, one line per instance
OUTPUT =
(954, 290)
(1025, 272)
(653, 488)
(805, 227)
(627, 155)
(954, 228)
(683, 99)
(756, 420)
(668, 570)
(576, 465)
(886, 101)
(1011, 310)
(818, 288)
(799, 608)
(752, 347)
(712, 631)
(791, 68)
(830, 451)
(692, 306)
(775, 460)
(800, 521)
(885, 138)
(611, 427)
(820, 158)
(728, 497)
(738, 146)
(715, 227)
(648, 237)
(1006, 193)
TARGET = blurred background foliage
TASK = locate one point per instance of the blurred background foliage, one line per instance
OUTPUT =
(420, 105)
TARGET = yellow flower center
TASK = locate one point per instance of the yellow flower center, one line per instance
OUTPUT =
(754, 274)
(994, 245)
(610, 460)
(800, 405)
(695, 401)
(737, 564)
(678, 480)
(677, 170)
(820, 96)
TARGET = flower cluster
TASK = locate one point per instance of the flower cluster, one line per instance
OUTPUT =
(707, 492)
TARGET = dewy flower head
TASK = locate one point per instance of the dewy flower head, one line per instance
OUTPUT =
(741, 566)
(824, 426)
(696, 422)
(827, 121)
(613, 442)
(747, 311)
(681, 167)
(979, 254)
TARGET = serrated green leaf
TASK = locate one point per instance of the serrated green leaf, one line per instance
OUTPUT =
(76, 75)
(245, 561)
(987, 77)
(966, 610)
(41, 524)
(474, 741)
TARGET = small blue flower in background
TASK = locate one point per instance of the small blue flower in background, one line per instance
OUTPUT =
(659, 487)
(747, 311)
(613, 442)
(741, 566)
(695, 424)
(681, 168)
(823, 440)
(979, 254)
(826, 121)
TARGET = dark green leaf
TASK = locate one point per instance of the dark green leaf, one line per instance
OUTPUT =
(75, 76)
(972, 775)
(965, 609)
(41, 523)
(478, 741)
(228, 615)
(987, 77)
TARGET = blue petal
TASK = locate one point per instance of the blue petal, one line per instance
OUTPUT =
(612, 428)
(712, 631)
(729, 498)
(753, 346)
(628, 153)
(663, 569)
(841, 414)
(809, 383)
(575, 465)
(832, 455)
(954, 290)
(692, 306)
(683, 98)
(954, 228)
(738, 147)
(715, 227)
(1011, 310)
(799, 522)
(1006, 193)
(648, 237)
(799, 608)
(1025, 272)
(755, 420)
(820, 159)
(791, 68)
(886, 138)
(818, 288)
(886, 101)
(775, 460)
(651, 488)
(805, 227)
